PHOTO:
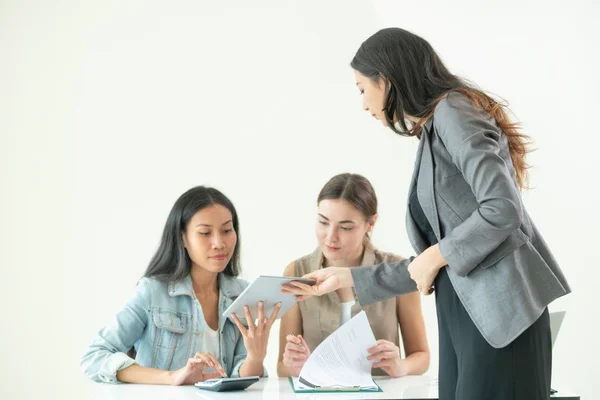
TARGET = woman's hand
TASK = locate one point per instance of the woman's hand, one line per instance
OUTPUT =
(388, 356)
(296, 353)
(192, 372)
(327, 280)
(256, 336)
(425, 267)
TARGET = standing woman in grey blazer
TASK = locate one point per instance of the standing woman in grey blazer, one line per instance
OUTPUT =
(477, 247)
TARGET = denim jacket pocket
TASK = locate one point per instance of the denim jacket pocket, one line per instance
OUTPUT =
(169, 333)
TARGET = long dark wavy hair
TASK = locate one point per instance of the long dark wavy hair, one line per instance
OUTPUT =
(171, 261)
(416, 81)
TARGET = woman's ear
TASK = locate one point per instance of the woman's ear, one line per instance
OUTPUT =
(371, 223)
(383, 82)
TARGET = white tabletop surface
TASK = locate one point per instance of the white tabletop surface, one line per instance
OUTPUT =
(409, 387)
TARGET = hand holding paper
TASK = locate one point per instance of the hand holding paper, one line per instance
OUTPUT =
(340, 361)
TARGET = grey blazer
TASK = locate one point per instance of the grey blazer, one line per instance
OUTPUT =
(498, 263)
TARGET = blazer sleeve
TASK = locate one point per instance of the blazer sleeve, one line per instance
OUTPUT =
(471, 137)
(382, 281)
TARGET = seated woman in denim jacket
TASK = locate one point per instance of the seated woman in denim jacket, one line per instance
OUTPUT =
(173, 321)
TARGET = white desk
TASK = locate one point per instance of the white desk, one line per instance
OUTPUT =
(410, 387)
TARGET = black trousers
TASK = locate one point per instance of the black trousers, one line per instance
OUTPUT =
(471, 369)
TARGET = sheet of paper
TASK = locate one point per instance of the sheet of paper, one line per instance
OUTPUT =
(299, 385)
(341, 359)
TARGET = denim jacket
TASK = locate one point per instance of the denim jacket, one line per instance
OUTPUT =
(164, 323)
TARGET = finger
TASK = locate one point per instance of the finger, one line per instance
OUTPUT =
(217, 364)
(306, 288)
(197, 362)
(384, 355)
(261, 312)
(204, 357)
(302, 298)
(292, 289)
(384, 363)
(293, 339)
(240, 326)
(293, 356)
(384, 345)
(315, 275)
(304, 344)
(249, 319)
(274, 315)
(377, 348)
(289, 363)
(294, 347)
(212, 375)
(293, 364)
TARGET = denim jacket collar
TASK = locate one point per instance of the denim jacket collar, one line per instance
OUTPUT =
(229, 290)
(228, 286)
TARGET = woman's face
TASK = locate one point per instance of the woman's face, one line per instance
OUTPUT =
(373, 96)
(341, 229)
(210, 239)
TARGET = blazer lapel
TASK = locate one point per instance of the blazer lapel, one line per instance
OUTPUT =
(425, 184)
(414, 233)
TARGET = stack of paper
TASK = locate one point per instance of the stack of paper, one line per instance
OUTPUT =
(340, 362)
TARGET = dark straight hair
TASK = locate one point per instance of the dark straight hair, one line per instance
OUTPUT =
(355, 189)
(171, 261)
(417, 80)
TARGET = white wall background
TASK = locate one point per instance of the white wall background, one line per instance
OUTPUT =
(110, 110)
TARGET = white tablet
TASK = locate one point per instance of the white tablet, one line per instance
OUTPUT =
(268, 290)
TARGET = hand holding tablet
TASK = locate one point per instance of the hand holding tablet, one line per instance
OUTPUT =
(268, 290)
